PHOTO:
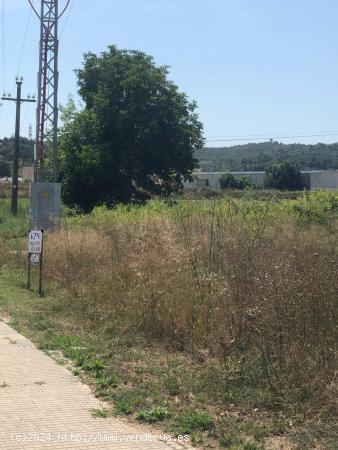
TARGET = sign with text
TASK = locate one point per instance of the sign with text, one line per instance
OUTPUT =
(35, 254)
(35, 241)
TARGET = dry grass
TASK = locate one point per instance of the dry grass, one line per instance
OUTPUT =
(6, 189)
(224, 285)
(242, 298)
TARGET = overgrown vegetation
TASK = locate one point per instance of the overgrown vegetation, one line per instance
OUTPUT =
(229, 181)
(214, 318)
(13, 227)
(6, 190)
(285, 176)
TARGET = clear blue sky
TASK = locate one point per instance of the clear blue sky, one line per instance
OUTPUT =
(255, 67)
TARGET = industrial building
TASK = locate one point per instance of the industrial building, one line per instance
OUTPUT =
(315, 179)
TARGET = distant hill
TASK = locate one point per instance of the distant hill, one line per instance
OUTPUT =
(258, 156)
(236, 158)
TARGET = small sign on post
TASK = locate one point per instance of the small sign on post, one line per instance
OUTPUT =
(35, 241)
(35, 255)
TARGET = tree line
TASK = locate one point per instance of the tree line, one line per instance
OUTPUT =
(257, 156)
(6, 153)
(285, 176)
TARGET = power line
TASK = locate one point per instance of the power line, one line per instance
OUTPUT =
(38, 15)
(272, 137)
(6, 117)
(20, 57)
(28, 110)
(24, 40)
(3, 45)
(64, 9)
(252, 135)
(67, 18)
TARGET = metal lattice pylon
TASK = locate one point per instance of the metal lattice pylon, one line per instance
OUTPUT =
(48, 77)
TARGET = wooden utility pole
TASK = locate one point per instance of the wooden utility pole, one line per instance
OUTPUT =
(15, 172)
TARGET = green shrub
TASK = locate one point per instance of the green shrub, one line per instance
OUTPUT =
(318, 207)
(285, 176)
(229, 181)
(101, 413)
(155, 415)
(172, 386)
(191, 420)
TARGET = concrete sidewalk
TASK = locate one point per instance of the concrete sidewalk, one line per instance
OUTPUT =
(44, 406)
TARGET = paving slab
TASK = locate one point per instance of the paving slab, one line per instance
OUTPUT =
(44, 406)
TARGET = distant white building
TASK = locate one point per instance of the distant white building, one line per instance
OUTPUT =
(28, 173)
(322, 179)
(316, 179)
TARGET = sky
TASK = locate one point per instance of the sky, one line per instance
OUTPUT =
(258, 69)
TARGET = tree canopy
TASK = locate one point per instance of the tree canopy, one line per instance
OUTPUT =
(229, 181)
(5, 169)
(285, 177)
(135, 136)
(26, 149)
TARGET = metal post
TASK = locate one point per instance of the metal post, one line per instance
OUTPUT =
(47, 108)
(41, 266)
(15, 172)
(29, 272)
(56, 87)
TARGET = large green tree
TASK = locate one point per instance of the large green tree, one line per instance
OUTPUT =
(135, 136)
